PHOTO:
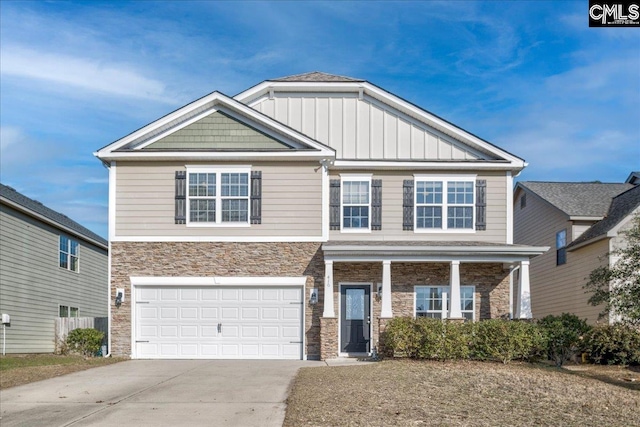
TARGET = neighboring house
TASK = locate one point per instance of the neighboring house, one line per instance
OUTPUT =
(50, 267)
(582, 223)
(294, 219)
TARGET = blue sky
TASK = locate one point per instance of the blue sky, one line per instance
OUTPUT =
(530, 77)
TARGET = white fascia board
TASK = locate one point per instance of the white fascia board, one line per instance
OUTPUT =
(417, 257)
(218, 155)
(448, 250)
(585, 218)
(215, 99)
(217, 281)
(249, 95)
(400, 164)
(222, 239)
(52, 223)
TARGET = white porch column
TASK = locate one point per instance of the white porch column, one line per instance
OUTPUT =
(328, 290)
(386, 310)
(523, 310)
(455, 312)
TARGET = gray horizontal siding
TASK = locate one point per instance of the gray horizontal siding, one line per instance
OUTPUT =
(32, 285)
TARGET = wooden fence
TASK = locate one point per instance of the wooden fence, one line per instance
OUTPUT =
(64, 325)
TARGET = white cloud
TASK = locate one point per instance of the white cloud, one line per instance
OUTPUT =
(83, 73)
(10, 135)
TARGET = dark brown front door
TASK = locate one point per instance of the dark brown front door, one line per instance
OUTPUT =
(355, 320)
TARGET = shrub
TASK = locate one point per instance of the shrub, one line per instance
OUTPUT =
(616, 344)
(86, 341)
(400, 338)
(506, 340)
(563, 335)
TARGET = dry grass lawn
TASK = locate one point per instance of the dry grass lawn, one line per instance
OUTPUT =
(421, 393)
(23, 369)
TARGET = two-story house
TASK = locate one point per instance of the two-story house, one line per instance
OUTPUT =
(50, 267)
(295, 218)
(584, 223)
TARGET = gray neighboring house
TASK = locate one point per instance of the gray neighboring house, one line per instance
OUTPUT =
(582, 223)
(50, 267)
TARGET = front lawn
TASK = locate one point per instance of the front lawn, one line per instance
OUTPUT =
(422, 393)
(22, 369)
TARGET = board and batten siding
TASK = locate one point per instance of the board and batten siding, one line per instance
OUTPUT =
(291, 201)
(392, 194)
(361, 128)
(556, 289)
(33, 286)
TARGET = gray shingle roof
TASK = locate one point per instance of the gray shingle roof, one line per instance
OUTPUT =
(589, 199)
(58, 218)
(315, 76)
(621, 206)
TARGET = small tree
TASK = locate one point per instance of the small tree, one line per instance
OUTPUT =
(563, 335)
(618, 286)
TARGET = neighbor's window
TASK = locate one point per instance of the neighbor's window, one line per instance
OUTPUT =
(356, 203)
(218, 196)
(444, 204)
(433, 301)
(68, 253)
(66, 311)
(561, 250)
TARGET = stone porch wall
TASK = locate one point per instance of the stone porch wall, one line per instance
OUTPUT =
(213, 259)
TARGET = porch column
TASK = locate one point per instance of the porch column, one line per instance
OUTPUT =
(455, 312)
(328, 290)
(386, 311)
(523, 310)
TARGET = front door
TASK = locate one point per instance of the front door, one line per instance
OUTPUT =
(355, 318)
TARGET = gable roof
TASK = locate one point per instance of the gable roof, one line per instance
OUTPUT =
(316, 82)
(621, 206)
(634, 178)
(315, 76)
(577, 199)
(296, 145)
(32, 207)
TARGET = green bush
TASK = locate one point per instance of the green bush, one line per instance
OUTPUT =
(616, 344)
(506, 340)
(400, 338)
(442, 340)
(86, 341)
(563, 335)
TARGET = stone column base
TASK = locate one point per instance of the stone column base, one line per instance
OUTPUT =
(328, 338)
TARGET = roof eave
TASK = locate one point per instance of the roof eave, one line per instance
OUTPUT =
(53, 223)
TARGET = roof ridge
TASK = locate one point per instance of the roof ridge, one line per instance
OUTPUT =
(316, 76)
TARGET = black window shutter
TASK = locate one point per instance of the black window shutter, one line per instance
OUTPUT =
(407, 204)
(334, 204)
(481, 204)
(181, 199)
(376, 204)
(256, 197)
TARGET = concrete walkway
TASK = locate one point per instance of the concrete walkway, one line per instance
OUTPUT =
(157, 393)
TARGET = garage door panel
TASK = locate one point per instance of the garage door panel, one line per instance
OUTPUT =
(184, 322)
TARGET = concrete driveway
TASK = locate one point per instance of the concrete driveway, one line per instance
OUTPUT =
(157, 393)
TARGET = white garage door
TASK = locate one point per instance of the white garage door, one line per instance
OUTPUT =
(218, 322)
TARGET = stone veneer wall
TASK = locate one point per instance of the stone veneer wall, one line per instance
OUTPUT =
(490, 279)
(213, 259)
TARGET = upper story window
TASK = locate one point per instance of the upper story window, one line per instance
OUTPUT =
(444, 203)
(433, 301)
(218, 196)
(561, 250)
(356, 203)
(68, 253)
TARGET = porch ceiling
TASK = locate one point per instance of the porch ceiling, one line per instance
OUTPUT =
(428, 251)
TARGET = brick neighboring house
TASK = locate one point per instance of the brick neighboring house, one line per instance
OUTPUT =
(582, 222)
(294, 219)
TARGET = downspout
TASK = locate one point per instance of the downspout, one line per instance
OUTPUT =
(110, 225)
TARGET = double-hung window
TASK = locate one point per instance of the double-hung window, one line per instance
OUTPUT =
(561, 249)
(356, 203)
(444, 203)
(68, 254)
(433, 301)
(218, 196)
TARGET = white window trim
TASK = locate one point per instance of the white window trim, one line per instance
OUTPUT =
(218, 197)
(446, 296)
(68, 252)
(348, 178)
(69, 307)
(445, 179)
